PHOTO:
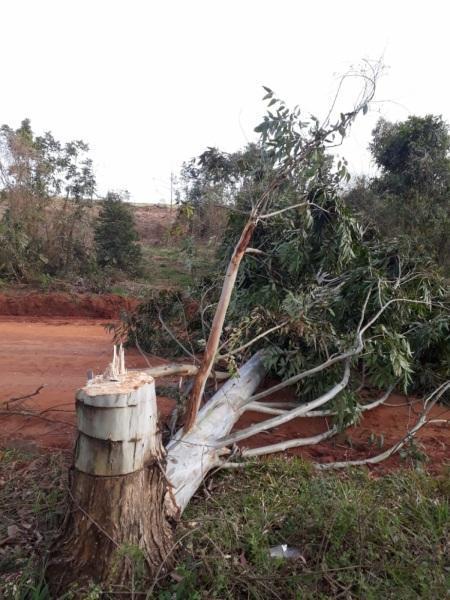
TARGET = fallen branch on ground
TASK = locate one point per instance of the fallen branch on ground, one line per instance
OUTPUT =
(421, 422)
(35, 393)
(180, 369)
(288, 416)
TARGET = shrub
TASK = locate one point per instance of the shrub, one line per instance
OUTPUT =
(116, 237)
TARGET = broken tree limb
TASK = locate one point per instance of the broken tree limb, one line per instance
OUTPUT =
(272, 408)
(35, 393)
(180, 369)
(212, 344)
(316, 439)
(373, 460)
(294, 443)
(192, 454)
(289, 415)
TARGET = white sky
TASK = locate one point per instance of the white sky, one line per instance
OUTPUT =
(149, 84)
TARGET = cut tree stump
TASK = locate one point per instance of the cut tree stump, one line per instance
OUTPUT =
(125, 495)
(122, 516)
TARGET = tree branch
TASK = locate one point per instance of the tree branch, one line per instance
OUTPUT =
(340, 357)
(428, 405)
(35, 393)
(175, 339)
(288, 416)
(271, 409)
(251, 342)
(292, 207)
(212, 344)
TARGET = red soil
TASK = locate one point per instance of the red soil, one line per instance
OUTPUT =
(58, 352)
(378, 430)
(63, 304)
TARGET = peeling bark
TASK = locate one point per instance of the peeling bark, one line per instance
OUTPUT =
(192, 454)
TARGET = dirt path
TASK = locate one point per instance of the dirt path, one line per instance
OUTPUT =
(29, 303)
(57, 353)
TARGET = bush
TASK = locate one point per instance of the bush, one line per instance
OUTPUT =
(116, 237)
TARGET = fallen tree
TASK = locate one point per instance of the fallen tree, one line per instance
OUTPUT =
(346, 309)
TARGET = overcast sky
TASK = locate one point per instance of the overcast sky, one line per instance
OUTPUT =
(149, 84)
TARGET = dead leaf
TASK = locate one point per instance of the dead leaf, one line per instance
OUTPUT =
(13, 530)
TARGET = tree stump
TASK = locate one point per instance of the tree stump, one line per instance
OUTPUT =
(121, 517)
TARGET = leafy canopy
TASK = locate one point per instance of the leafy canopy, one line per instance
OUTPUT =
(45, 187)
(410, 198)
(311, 270)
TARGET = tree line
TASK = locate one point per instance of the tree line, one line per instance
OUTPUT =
(52, 223)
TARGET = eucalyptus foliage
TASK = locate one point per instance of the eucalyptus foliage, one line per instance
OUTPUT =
(313, 274)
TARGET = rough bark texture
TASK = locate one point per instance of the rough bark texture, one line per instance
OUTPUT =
(116, 530)
(121, 518)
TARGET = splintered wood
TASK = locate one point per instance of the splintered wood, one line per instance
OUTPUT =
(117, 421)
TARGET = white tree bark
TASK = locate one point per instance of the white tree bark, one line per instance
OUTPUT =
(117, 423)
(191, 455)
(289, 415)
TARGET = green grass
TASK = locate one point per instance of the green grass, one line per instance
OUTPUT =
(359, 537)
(171, 266)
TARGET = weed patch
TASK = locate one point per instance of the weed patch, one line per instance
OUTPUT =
(32, 503)
(356, 536)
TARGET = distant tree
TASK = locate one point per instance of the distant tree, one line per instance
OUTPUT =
(209, 183)
(45, 186)
(116, 236)
(413, 155)
(409, 199)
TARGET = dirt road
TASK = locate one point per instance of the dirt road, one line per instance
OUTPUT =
(55, 353)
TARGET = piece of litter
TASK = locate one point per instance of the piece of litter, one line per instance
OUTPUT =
(285, 551)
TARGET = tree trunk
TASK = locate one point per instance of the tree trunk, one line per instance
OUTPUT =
(212, 344)
(124, 503)
(122, 516)
(192, 454)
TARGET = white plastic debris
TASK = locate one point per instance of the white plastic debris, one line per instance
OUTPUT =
(285, 551)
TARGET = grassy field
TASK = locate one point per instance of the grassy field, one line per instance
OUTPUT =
(172, 266)
(356, 536)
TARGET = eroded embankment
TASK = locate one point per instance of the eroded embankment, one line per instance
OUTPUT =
(64, 304)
